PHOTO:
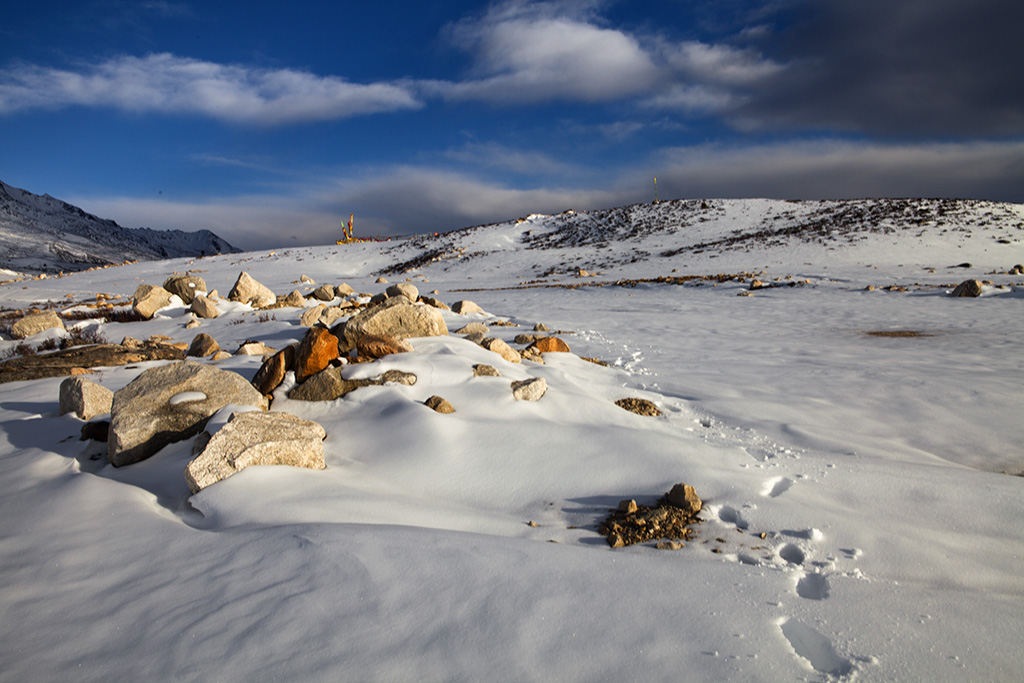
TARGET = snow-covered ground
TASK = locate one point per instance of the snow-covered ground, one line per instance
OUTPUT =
(855, 485)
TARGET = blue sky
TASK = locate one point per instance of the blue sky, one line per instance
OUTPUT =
(269, 122)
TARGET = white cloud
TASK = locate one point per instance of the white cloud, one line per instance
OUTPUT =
(170, 84)
(722, 64)
(528, 53)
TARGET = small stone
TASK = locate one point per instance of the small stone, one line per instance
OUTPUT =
(192, 324)
(529, 389)
(149, 299)
(254, 348)
(551, 345)
(381, 280)
(247, 290)
(628, 506)
(202, 346)
(502, 349)
(344, 290)
(685, 498)
(532, 523)
(220, 355)
(311, 316)
(483, 370)
(472, 328)
(466, 307)
(615, 540)
(324, 293)
(306, 280)
(541, 327)
(294, 300)
(409, 291)
(967, 288)
(670, 545)
(526, 338)
(439, 405)
(640, 406)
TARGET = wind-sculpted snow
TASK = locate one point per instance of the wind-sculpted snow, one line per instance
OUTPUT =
(852, 430)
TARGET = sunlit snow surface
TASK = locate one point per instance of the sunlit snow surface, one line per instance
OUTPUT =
(872, 465)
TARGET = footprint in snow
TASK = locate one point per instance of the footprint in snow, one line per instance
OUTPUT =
(792, 553)
(814, 647)
(812, 587)
(776, 486)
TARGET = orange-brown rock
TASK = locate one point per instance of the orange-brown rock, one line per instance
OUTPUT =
(551, 345)
(316, 351)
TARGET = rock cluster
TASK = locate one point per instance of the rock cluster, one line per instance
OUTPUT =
(671, 518)
(174, 402)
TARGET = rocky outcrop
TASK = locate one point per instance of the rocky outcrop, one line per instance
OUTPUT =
(397, 318)
(257, 438)
(34, 323)
(149, 299)
(185, 286)
(84, 398)
(248, 291)
(78, 359)
(171, 403)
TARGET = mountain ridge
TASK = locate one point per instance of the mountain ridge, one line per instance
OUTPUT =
(43, 234)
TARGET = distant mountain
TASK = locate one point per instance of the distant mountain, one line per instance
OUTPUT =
(40, 234)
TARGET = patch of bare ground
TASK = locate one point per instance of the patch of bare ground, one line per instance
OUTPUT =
(670, 519)
(898, 333)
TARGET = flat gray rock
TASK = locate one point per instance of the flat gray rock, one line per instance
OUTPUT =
(257, 438)
(171, 403)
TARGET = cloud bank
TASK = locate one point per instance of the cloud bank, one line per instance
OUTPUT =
(166, 83)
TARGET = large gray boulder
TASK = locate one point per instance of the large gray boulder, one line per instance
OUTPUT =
(257, 439)
(84, 398)
(185, 286)
(149, 299)
(247, 290)
(34, 323)
(398, 318)
(171, 403)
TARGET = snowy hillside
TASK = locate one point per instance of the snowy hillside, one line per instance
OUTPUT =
(40, 234)
(853, 430)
